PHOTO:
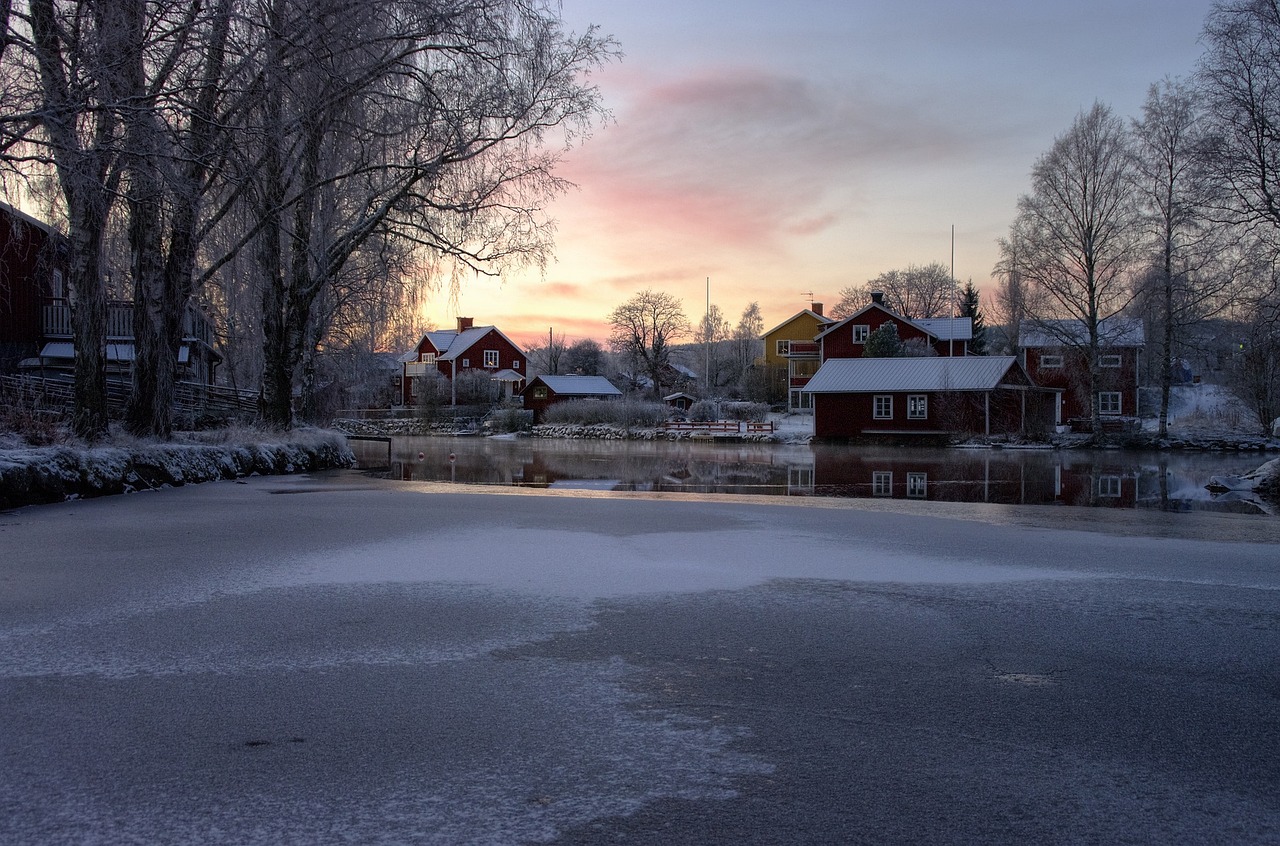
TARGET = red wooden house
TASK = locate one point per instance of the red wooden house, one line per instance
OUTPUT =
(469, 347)
(1055, 354)
(33, 265)
(927, 398)
(545, 391)
(945, 336)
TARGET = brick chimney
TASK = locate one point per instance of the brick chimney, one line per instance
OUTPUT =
(877, 297)
(816, 308)
(465, 323)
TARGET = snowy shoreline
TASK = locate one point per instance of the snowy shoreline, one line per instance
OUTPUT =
(41, 475)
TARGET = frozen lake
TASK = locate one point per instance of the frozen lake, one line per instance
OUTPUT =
(1089, 478)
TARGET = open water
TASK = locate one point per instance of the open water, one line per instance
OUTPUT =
(1165, 481)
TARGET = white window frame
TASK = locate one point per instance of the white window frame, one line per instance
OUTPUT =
(515, 365)
(879, 400)
(466, 362)
(917, 485)
(782, 346)
(428, 358)
(882, 483)
(861, 331)
(491, 359)
(917, 406)
(1109, 486)
(1110, 403)
(1050, 362)
(801, 400)
(1109, 361)
(59, 286)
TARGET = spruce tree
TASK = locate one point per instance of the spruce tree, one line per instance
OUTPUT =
(969, 307)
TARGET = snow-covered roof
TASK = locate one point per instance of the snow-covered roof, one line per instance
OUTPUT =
(28, 219)
(858, 375)
(947, 328)
(941, 328)
(450, 344)
(1113, 331)
(507, 375)
(585, 386)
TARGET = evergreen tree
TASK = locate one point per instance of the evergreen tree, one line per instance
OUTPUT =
(883, 342)
(970, 307)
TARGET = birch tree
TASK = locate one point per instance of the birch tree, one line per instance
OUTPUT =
(644, 328)
(1077, 234)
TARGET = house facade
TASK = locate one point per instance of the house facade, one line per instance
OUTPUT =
(36, 335)
(1055, 354)
(468, 347)
(791, 353)
(927, 398)
(944, 336)
(33, 267)
(545, 391)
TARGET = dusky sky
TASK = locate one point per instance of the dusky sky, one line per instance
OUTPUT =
(785, 148)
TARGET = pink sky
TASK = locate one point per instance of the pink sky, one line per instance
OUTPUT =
(779, 149)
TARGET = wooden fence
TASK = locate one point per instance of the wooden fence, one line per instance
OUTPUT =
(44, 394)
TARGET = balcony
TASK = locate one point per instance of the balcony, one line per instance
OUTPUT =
(57, 322)
(802, 349)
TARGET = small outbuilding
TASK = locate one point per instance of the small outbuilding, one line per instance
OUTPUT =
(680, 401)
(928, 398)
(545, 391)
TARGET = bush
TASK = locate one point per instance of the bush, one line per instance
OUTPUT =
(31, 419)
(588, 412)
(509, 420)
(704, 410)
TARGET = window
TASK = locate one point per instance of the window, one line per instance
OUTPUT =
(1109, 361)
(917, 407)
(490, 358)
(882, 483)
(58, 291)
(801, 400)
(1109, 486)
(540, 392)
(917, 484)
(800, 368)
(515, 365)
(1109, 402)
(428, 358)
(800, 477)
(860, 333)
(783, 347)
(1049, 362)
(882, 407)
(466, 362)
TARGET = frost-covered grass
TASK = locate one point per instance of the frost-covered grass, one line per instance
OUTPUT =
(122, 464)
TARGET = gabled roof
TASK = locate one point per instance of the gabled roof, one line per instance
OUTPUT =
(936, 373)
(28, 219)
(583, 386)
(1113, 331)
(822, 321)
(450, 344)
(940, 328)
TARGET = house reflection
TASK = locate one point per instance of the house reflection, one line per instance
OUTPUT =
(995, 476)
(1108, 479)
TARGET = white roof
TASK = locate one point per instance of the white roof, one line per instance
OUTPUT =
(941, 328)
(586, 386)
(947, 328)
(507, 375)
(1113, 331)
(452, 344)
(938, 373)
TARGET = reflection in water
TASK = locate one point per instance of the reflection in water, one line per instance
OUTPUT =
(1103, 478)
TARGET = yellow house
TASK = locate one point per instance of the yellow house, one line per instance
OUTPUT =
(791, 352)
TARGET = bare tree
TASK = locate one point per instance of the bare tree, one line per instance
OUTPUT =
(643, 330)
(1183, 285)
(1240, 76)
(429, 123)
(748, 342)
(62, 83)
(1077, 234)
(916, 291)
(712, 331)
